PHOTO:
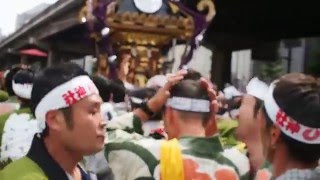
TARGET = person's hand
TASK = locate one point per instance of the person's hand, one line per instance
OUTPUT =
(161, 97)
(211, 127)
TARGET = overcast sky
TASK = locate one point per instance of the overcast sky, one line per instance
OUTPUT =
(9, 10)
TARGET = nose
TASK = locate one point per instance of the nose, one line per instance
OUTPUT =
(103, 124)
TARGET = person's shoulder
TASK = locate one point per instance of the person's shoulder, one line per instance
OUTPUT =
(147, 149)
(3, 120)
(24, 111)
(23, 168)
(5, 117)
(122, 140)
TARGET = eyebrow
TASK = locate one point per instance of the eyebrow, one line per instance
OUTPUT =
(95, 104)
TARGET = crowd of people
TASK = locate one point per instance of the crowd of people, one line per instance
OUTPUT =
(66, 124)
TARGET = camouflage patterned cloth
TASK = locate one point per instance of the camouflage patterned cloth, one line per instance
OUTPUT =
(133, 156)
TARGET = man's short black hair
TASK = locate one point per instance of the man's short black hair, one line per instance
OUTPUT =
(50, 78)
(24, 76)
(104, 86)
(192, 74)
(298, 95)
(189, 88)
(118, 91)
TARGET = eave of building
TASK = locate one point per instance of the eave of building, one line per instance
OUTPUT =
(45, 24)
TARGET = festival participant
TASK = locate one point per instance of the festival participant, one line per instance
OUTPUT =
(105, 89)
(17, 128)
(66, 104)
(248, 129)
(193, 150)
(12, 103)
(290, 126)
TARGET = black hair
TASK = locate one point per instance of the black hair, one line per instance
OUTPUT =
(189, 88)
(104, 87)
(49, 79)
(298, 95)
(192, 74)
(24, 76)
(118, 91)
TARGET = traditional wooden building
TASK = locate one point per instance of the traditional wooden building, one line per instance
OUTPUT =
(56, 31)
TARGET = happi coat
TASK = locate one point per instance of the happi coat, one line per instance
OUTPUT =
(133, 156)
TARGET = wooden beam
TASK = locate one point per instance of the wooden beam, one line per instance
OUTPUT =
(181, 33)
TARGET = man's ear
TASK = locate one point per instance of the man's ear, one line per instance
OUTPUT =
(275, 133)
(211, 127)
(54, 119)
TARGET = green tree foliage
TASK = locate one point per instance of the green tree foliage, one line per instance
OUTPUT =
(271, 71)
(3, 96)
(314, 67)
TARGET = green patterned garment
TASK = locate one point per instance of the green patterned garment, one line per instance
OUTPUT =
(133, 156)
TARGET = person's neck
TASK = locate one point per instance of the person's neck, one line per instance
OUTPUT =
(255, 153)
(192, 128)
(282, 162)
(66, 159)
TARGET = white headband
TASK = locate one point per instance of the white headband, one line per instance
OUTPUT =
(189, 104)
(287, 125)
(22, 90)
(136, 100)
(64, 95)
(230, 92)
(257, 88)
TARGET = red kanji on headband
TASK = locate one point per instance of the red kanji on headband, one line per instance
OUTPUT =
(71, 97)
(294, 127)
(81, 92)
(285, 121)
(311, 134)
(281, 118)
